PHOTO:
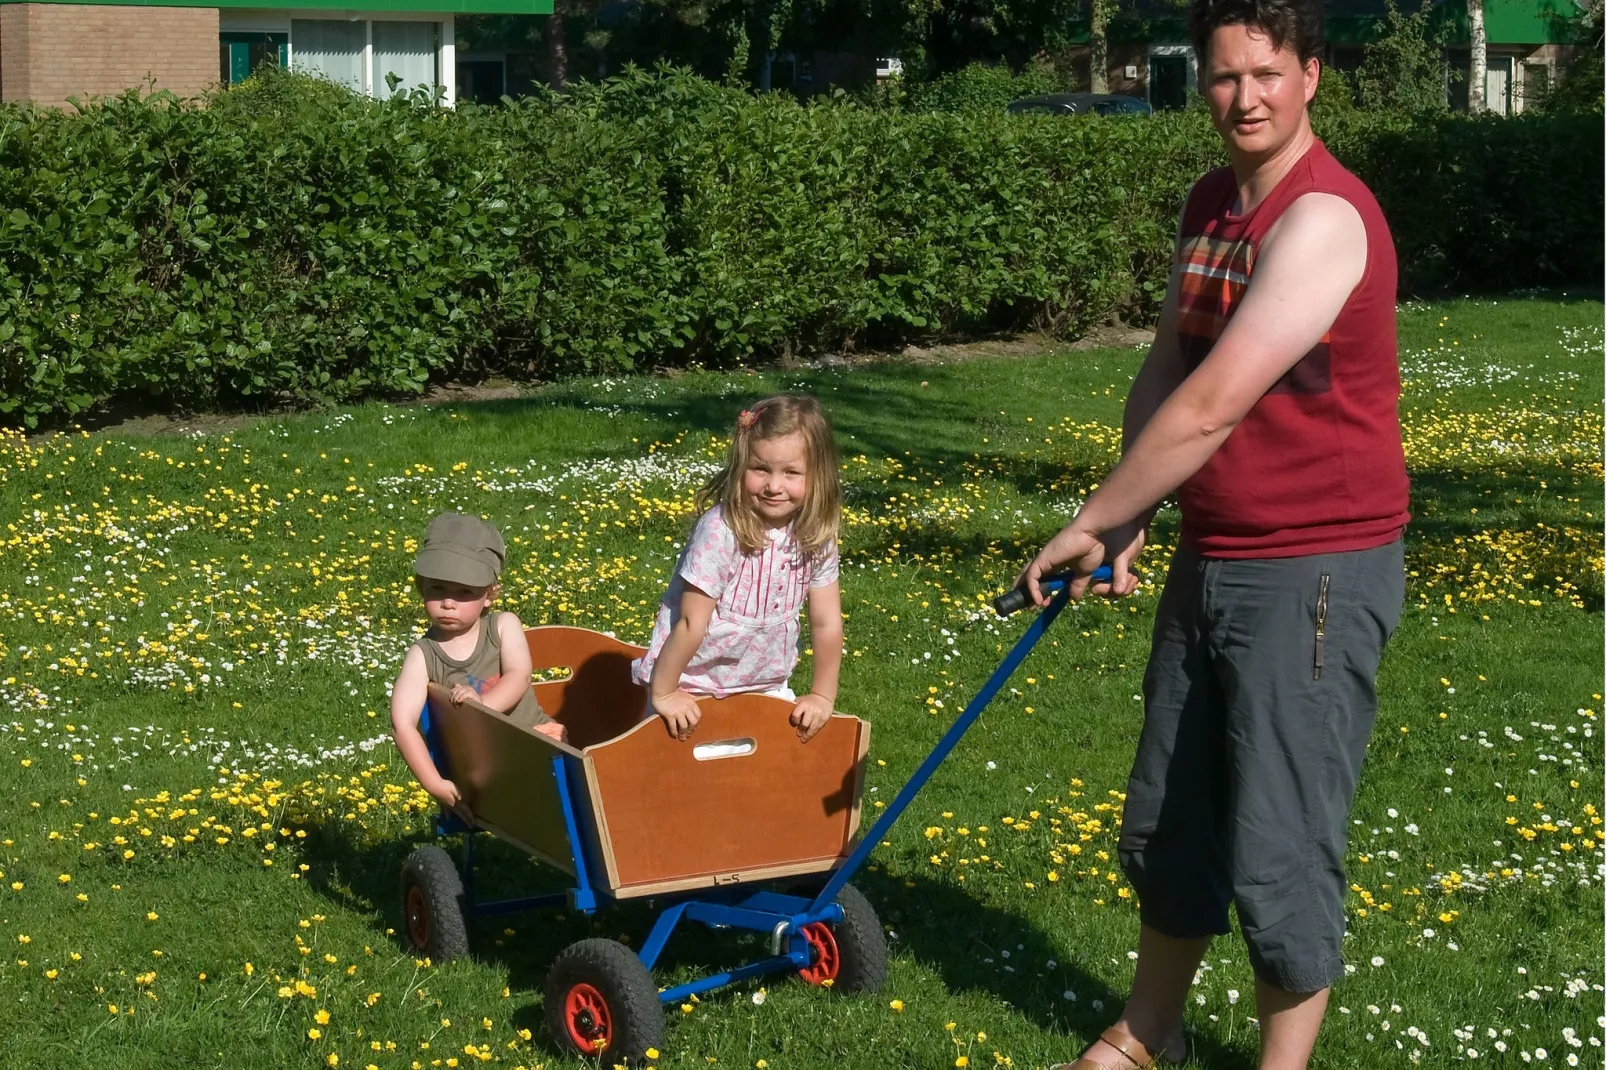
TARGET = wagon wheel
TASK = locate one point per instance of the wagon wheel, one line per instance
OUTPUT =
(432, 905)
(850, 954)
(600, 998)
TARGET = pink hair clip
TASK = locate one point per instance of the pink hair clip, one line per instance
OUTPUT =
(747, 419)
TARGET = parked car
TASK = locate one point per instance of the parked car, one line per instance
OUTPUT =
(1080, 104)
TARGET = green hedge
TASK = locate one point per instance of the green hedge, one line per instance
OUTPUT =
(285, 241)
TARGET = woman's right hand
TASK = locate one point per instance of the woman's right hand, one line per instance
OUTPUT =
(679, 711)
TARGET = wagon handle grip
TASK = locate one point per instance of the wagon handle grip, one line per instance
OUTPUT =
(844, 872)
(1018, 598)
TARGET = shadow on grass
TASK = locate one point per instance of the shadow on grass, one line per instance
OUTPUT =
(940, 926)
(880, 411)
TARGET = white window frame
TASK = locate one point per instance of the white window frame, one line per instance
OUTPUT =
(278, 21)
(1513, 97)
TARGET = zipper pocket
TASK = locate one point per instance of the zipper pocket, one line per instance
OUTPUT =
(1321, 625)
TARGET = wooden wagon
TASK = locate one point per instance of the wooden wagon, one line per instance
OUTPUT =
(703, 824)
(628, 812)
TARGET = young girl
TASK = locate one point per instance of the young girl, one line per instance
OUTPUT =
(765, 545)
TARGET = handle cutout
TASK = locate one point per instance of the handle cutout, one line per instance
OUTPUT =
(725, 748)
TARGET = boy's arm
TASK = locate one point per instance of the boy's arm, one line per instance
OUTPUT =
(407, 698)
(515, 680)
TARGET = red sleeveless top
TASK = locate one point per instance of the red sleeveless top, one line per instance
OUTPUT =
(1317, 465)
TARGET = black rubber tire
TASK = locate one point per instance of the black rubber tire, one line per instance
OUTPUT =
(627, 987)
(860, 942)
(431, 884)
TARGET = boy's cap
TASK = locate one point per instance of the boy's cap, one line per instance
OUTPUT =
(461, 549)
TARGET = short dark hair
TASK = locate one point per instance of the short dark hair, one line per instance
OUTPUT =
(1292, 23)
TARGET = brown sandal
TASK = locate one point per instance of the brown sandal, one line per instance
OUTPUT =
(1131, 1049)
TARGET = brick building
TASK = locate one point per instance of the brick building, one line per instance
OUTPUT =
(54, 51)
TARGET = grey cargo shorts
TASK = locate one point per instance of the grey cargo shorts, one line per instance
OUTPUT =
(1259, 697)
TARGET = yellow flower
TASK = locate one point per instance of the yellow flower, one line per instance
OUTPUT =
(897, 1005)
(962, 1061)
(314, 1033)
(322, 1017)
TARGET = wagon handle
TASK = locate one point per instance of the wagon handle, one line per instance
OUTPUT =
(1018, 598)
(1060, 593)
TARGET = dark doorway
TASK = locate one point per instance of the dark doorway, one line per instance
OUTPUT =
(1168, 82)
(484, 81)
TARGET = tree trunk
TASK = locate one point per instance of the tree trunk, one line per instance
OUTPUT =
(1478, 74)
(557, 50)
(1098, 64)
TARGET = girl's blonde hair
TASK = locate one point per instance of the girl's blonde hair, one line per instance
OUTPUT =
(817, 521)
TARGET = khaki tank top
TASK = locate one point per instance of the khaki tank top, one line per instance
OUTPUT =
(480, 670)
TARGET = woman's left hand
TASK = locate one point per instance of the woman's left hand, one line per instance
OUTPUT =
(810, 715)
(1074, 547)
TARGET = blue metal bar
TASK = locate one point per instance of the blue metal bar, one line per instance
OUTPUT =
(583, 897)
(468, 868)
(741, 973)
(775, 903)
(530, 902)
(661, 930)
(736, 917)
(446, 822)
(1060, 594)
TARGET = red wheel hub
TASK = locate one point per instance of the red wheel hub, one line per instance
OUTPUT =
(585, 1012)
(417, 917)
(825, 960)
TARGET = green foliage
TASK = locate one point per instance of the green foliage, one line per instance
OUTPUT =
(985, 87)
(1484, 202)
(1403, 69)
(1580, 88)
(1335, 94)
(290, 242)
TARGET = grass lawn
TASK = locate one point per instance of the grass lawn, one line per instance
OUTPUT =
(205, 819)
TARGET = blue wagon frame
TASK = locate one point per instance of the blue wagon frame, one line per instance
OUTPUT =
(799, 927)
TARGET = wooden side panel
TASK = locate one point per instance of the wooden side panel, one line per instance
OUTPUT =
(505, 775)
(672, 821)
(598, 700)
